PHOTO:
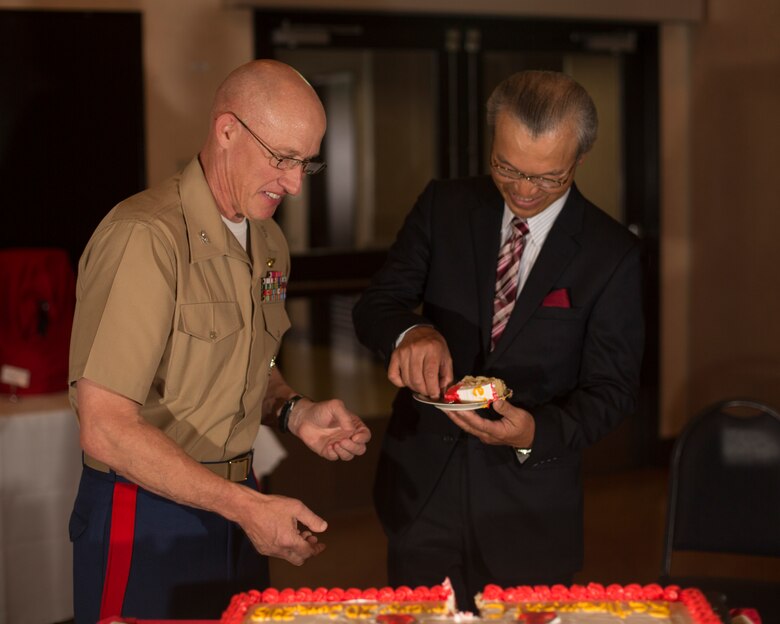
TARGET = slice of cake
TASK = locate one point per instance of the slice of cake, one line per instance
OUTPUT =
(477, 390)
(583, 604)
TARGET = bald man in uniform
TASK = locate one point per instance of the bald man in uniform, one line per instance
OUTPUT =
(179, 319)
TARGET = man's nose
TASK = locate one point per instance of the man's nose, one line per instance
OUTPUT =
(292, 180)
(524, 187)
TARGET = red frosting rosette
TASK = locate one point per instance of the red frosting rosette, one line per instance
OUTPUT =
(241, 603)
(695, 602)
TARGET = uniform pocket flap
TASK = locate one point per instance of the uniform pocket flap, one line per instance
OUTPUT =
(210, 321)
(276, 320)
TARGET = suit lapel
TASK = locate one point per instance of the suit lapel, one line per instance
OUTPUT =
(558, 251)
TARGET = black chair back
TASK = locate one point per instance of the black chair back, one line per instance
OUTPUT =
(724, 490)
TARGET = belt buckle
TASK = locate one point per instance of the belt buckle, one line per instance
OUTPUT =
(238, 469)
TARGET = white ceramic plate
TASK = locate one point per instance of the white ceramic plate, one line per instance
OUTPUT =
(455, 407)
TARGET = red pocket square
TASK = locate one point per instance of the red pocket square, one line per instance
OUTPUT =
(557, 299)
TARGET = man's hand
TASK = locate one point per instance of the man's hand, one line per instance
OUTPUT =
(515, 428)
(422, 362)
(282, 527)
(329, 429)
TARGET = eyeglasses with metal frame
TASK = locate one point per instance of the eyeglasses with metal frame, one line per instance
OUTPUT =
(542, 182)
(285, 163)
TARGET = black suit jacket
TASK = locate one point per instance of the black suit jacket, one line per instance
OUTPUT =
(576, 369)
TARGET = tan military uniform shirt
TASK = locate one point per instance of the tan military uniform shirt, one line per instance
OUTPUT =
(171, 314)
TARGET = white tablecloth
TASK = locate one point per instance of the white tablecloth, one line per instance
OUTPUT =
(40, 466)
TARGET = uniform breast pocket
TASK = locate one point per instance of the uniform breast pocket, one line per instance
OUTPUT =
(275, 323)
(206, 347)
(276, 320)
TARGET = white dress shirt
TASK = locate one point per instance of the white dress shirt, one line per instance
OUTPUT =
(539, 227)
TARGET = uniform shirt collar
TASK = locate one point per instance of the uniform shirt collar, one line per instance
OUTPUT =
(207, 235)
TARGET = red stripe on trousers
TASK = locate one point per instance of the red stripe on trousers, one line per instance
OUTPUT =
(120, 549)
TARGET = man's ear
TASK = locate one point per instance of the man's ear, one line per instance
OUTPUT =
(226, 128)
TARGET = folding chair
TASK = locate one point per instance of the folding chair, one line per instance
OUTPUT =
(724, 497)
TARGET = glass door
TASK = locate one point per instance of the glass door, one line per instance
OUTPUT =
(405, 97)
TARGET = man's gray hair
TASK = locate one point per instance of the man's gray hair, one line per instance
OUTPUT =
(543, 101)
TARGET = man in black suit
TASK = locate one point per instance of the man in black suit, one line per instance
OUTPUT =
(495, 495)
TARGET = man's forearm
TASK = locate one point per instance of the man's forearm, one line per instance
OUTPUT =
(113, 432)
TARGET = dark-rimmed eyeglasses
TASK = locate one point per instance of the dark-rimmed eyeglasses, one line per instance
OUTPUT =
(542, 182)
(285, 163)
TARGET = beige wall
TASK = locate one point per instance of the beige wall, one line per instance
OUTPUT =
(720, 298)
(720, 301)
(189, 47)
(735, 210)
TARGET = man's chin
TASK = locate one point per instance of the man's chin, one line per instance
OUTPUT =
(261, 213)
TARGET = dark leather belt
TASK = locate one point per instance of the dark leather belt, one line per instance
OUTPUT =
(236, 469)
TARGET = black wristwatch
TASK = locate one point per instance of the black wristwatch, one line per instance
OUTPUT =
(284, 414)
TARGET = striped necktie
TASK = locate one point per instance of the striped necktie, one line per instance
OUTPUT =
(507, 278)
